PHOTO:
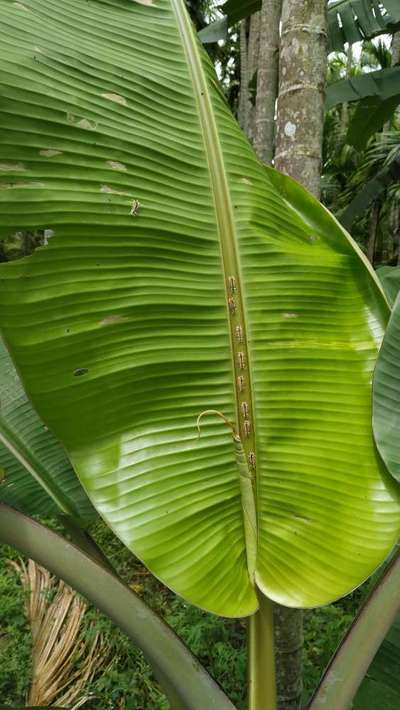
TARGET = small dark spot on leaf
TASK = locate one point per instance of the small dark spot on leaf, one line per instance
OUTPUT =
(80, 371)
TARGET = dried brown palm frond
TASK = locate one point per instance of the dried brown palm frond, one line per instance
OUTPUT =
(63, 661)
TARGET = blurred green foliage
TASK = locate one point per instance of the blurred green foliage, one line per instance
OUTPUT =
(15, 641)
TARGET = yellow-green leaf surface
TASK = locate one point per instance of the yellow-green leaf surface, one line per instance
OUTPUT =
(183, 276)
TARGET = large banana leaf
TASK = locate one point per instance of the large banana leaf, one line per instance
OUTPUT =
(36, 475)
(184, 276)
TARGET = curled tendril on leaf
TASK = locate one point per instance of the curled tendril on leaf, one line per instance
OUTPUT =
(225, 419)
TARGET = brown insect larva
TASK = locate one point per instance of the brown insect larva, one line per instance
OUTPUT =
(242, 360)
(232, 306)
(135, 207)
(232, 284)
(245, 409)
(241, 383)
(247, 427)
(252, 459)
(239, 333)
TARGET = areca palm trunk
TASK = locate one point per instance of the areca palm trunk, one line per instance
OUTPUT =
(253, 67)
(373, 231)
(244, 84)
(300, 119)
(267, 79)
(395, 48)
(249, 51)
(345, 107)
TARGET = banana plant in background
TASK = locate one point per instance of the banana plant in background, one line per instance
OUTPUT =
(199, 332)
(383, 83)
(349, 20)
(377, 95)
(385, 177)
(355, 20)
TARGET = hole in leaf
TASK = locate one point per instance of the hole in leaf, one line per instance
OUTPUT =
(23, 243)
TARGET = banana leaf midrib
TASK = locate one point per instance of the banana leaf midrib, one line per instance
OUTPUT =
(230, 260)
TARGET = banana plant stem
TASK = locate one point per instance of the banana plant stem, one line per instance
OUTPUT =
(82, 539)
(261, 657)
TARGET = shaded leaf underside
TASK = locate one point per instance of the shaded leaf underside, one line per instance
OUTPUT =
(370, 190)
(389, 277)
(120, 326)
(370, 117)
(381, 680)
(36, 475)
(386, 411)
